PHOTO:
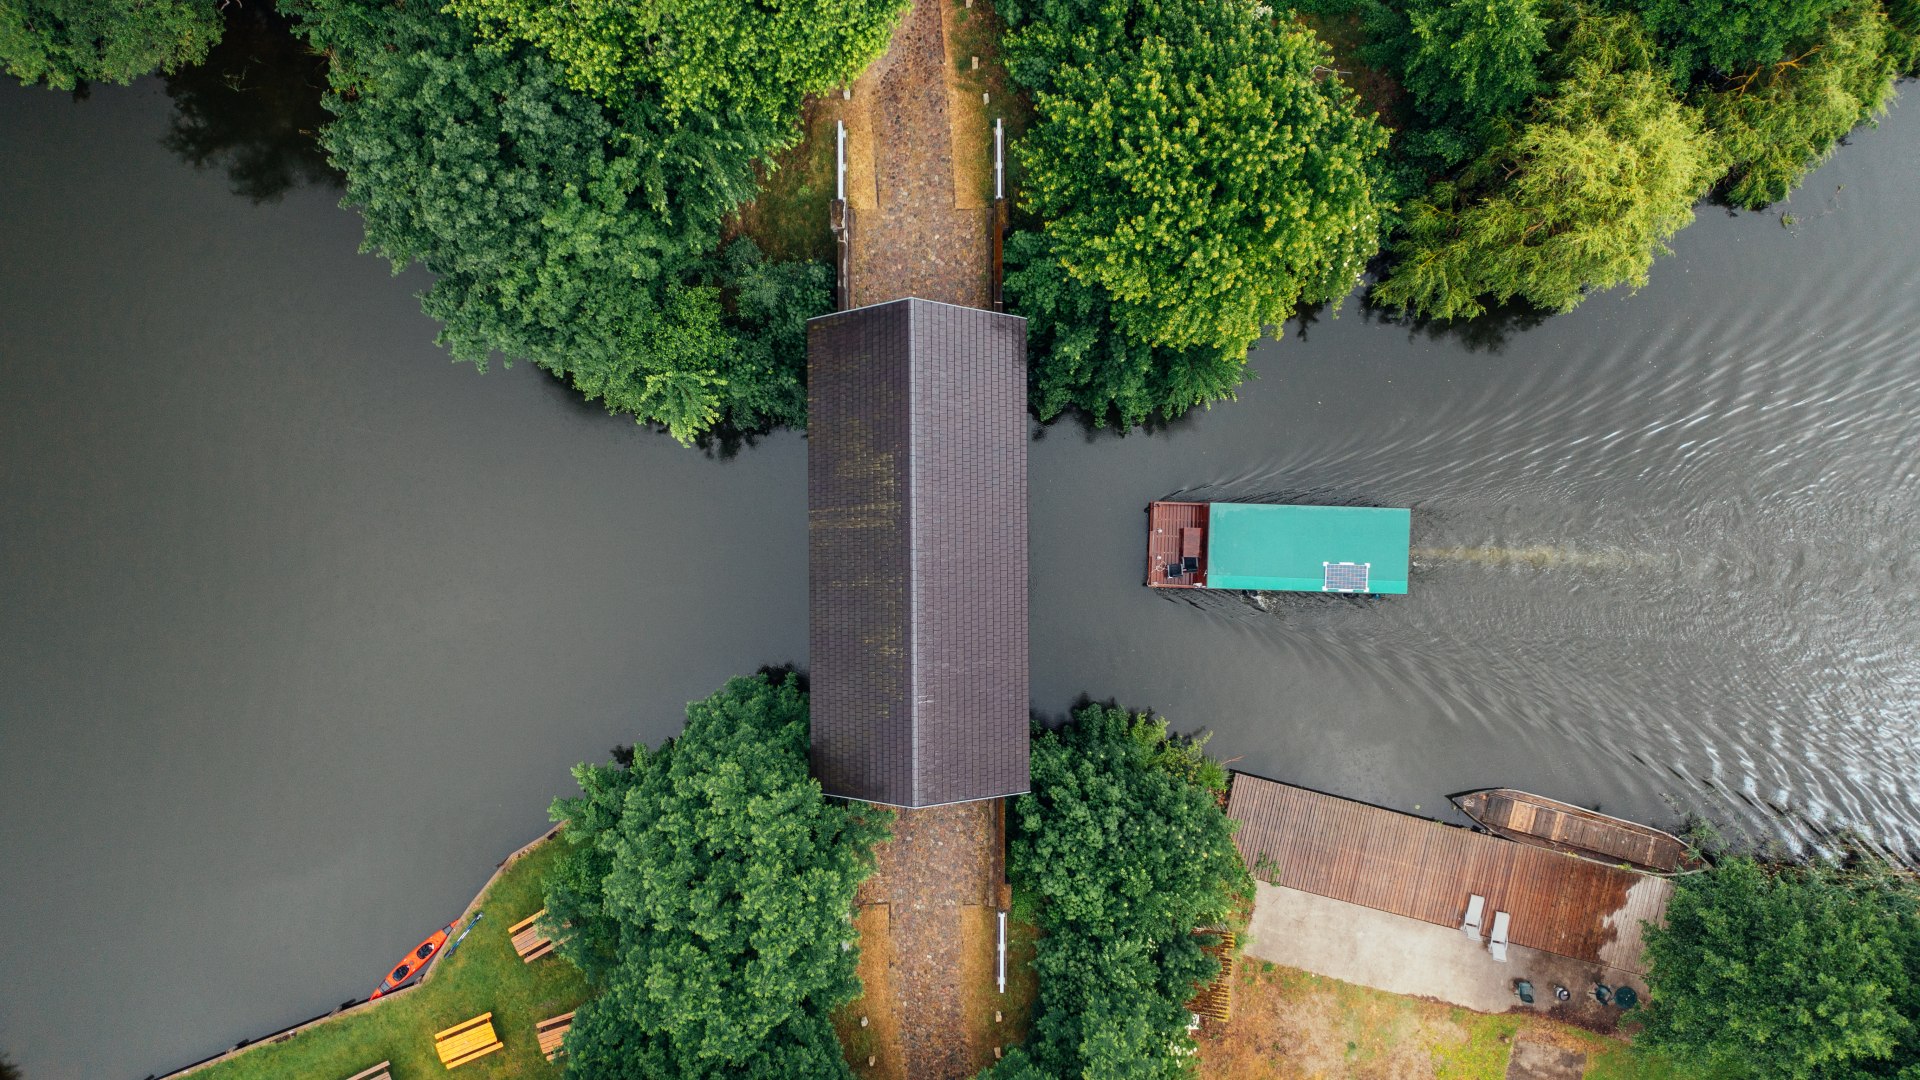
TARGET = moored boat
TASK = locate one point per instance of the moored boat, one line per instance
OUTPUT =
(1261, 547)
(410, 964)
(1543, 822)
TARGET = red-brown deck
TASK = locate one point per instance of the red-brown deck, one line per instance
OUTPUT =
(1176, 530)
(1426, 870)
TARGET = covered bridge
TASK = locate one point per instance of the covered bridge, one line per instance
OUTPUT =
(917, 552)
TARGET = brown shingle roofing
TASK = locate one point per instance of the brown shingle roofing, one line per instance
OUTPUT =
(917, 537)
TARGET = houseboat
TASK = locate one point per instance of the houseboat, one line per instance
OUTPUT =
(1549, 823)
(1282, 548)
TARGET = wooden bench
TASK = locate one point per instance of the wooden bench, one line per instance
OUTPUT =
(378, 1072)
(553, 1034)
(467, 1041)
(527, 940)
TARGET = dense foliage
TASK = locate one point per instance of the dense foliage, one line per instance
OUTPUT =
(706, 893)
(1778, 120)
(1579, 197)
(1191, 181)
(708, 57)
(1546, 149)
(63, 43)
(1800, 973)
(1125, 850)
(1474, 60)
(582, 237)
(1733, 35)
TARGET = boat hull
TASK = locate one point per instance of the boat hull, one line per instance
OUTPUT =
(1534, 819)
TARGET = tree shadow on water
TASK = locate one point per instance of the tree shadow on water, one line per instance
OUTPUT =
(254, 108)
(1489, 332)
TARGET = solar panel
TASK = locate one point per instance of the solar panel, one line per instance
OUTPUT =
(1345, 577)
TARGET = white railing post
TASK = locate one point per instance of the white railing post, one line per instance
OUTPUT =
(999, 162)
(840, 160)
(1003, 952)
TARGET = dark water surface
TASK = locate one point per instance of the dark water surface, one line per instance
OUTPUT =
(301, 625)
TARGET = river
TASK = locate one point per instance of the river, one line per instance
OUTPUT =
(301, 625)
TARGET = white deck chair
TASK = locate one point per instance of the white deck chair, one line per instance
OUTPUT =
(1497, 944)
(1476, 910)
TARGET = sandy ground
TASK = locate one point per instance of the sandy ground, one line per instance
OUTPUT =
(1406, 956)
(1293, 1025)
(938, 879)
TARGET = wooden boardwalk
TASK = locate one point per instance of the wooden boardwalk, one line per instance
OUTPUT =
(1426, 870)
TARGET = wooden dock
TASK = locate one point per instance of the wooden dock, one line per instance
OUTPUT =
(1176, 538)
(1426, 870)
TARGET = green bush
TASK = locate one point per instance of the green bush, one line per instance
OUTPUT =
(559, 230)
(706, 894)
(1800, 973)
(1780, 120)
(1125, 850)
(63, 43)
(1190, 181)
(1580, 196)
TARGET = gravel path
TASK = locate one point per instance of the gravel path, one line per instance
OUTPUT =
(914, 241)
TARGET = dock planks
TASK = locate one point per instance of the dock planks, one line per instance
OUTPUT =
(1425, 870)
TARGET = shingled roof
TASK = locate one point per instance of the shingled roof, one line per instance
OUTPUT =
(917, 552)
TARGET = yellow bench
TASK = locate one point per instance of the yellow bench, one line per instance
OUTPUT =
(527, 941)
(468, 1041)
(553, 1034)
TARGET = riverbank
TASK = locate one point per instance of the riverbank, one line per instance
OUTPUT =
(483, 975)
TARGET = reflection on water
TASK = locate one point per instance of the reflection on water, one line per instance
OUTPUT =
(253, 108)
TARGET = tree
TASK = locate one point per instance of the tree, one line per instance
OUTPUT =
(1733, 35)
(1123, 847)
(63, 43)
(1474, 60)
(1803, 973)
(706, 892)
(1193, 183)
(560, 231)
(1779, 120)
(1579, 197)
(709, 57)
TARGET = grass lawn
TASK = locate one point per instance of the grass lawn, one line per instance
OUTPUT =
(1289, 1024)
(789, 217)
(482, 975)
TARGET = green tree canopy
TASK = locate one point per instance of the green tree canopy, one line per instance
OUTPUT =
(1193, 181)
(1579, 197)
(1474, 60)
(1123, 847)
(562, 232)
(710, 57)
(1801, 973)
(62, 43)
(706, 892)
(1734, 35)
(1780, 120)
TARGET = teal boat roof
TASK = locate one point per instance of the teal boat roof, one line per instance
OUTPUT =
(1291, 548)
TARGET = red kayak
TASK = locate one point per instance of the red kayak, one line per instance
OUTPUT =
(410, 965)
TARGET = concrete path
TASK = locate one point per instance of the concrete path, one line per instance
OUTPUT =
(1406, 956)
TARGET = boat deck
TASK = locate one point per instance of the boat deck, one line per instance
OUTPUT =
(1176, 531)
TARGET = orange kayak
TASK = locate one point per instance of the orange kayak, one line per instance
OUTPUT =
(410, 965)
